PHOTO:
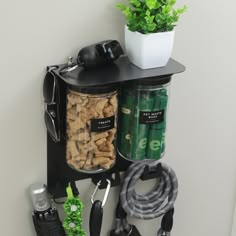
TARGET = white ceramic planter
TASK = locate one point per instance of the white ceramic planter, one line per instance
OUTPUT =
(149, 50)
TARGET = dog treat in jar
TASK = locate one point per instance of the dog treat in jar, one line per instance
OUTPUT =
(91, 121)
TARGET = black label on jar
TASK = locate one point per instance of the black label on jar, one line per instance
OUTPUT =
(103, 124)
(151, 117)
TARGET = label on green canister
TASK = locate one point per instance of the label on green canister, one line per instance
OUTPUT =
(151, 117)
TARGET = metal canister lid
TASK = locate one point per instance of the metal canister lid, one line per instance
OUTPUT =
(98, 89)
(153, 81)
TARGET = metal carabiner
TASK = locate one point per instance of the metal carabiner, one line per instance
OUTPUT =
(106, 193)
(69, 67)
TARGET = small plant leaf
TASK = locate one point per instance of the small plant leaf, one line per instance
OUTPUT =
(121, 6)
(151, 4)
(151, 27)
(135, 3)
(151, 16)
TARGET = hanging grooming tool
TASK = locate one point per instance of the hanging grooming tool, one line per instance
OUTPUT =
(96, 214)
(154, 204)
(46, 219)
(73, 208)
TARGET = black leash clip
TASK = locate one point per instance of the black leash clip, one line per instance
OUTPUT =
(166, 224)
(122, 227)
(96, 214)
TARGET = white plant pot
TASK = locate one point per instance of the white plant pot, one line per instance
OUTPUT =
(149, 50)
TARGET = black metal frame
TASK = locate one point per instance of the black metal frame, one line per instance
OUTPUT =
(59, 174)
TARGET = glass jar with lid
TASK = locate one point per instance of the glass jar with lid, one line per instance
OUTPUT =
(91, 121)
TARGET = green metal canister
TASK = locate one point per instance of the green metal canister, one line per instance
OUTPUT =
(139, 135)
(142, 119)
(156, 137)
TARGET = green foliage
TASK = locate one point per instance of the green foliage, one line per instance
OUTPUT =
(151, 16)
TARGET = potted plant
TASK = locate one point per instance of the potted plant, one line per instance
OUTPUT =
(149, 33)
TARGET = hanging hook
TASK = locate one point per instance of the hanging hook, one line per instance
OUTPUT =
(106, 193)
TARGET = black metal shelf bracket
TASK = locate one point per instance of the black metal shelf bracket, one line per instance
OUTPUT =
(59, 174)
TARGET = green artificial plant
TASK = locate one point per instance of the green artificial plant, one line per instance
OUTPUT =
(151, 16)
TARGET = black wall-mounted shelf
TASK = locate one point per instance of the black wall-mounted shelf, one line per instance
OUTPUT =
(59, 174)
(122, 70)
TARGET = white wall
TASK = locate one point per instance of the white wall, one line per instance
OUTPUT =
(202, 117)
(234, 225)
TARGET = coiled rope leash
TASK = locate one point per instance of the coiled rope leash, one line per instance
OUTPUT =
(151, 205)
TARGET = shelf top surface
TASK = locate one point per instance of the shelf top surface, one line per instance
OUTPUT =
(120, 71)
